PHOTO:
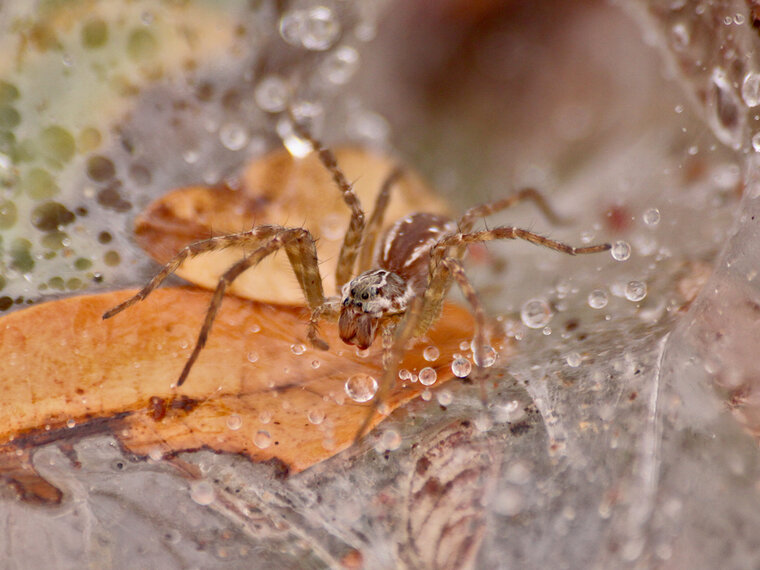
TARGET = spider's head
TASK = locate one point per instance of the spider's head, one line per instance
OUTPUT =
(366, 299)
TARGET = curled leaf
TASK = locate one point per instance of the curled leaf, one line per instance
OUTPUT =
(276, 189)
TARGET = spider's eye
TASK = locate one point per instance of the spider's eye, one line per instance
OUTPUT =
(365, 295)
(353, 292)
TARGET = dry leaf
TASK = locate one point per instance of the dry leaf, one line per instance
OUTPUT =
(68, 373)
(276, 189)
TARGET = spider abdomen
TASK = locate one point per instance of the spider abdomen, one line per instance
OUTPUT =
(406, 246)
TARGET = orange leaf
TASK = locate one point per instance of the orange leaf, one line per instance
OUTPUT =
(67, 373)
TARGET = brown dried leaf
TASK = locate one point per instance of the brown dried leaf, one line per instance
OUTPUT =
(64, 366)
(275, 189)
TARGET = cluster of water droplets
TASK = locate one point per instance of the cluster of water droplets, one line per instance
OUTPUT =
(315, 29)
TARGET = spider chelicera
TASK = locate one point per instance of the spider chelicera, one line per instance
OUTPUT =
(391, 285)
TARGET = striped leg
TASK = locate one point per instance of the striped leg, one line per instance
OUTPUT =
(375, 223)
(353, 237)
(439, 281)
(299, 245)
(251, 238)
(471, 216)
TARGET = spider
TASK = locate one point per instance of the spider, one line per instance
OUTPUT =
(391, 285)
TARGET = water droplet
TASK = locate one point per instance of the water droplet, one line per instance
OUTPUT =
(233, 136)
(621, 250)
(431, 353)
(597, 299)
(202, 492)
(635, 291)
(652, 217)
(8, 173)
(315, 364)
(483, 422)
(296, 146)
(262, 439)
(320, 29)
(461, 367)
(681, 36)
(390, 440)
(265, 416)
(489, 356)
(536, 313)
(361, 387)
(314, 29)
(70, 423)
(426, 394)
(368, 126)
(573, 359)
(316, 416)
(340, 65)
(234, 422)
(362, 352)
(252, 356)
(404, 375)
(508, 502)
(271, 94)
(444, 397)
(751, 89)
(756, 142)
(291, 25)
(297, 349)
(428, 376)
(727, 118)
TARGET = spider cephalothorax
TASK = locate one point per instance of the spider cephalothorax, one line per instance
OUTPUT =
(392, 287)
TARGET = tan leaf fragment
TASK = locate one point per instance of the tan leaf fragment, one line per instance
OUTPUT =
(275, 189)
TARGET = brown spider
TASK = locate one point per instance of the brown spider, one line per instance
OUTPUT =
(400, 283)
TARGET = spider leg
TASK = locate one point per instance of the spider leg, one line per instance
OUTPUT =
(439, 282)
(353, 237)
(301, 250)
(249, 238)
(396, 334)
(507, 232)
(329, 310)
(471, 216)
(375, 222)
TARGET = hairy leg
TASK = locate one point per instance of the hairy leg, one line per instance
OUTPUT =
(252, 238)
(375, 223)
(471, 216)
(299, 245)
(353, 237)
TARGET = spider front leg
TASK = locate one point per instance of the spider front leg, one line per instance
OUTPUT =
(301, 251)
(250, 238)
(329, 310)
(353, 237)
